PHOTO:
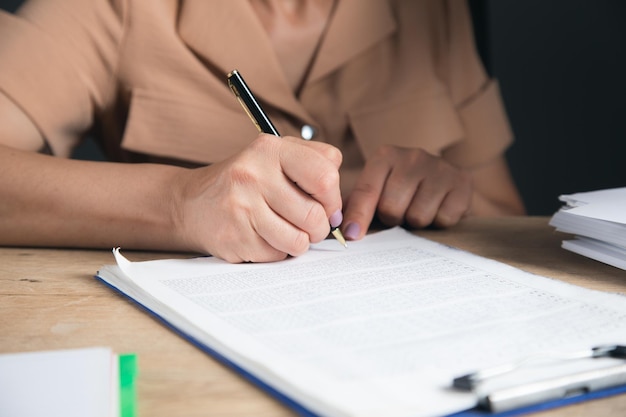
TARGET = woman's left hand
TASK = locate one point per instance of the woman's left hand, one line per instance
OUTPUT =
(407, 186)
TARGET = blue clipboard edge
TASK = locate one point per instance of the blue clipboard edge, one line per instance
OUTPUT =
(305, 412)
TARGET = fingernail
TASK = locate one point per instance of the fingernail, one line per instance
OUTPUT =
(352, 231)
(336, 219)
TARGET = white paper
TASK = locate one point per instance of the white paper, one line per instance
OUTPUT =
(600, 251)
(381, 328)
(63, 383)
(602, 230)
(608, 205)
(598, 219)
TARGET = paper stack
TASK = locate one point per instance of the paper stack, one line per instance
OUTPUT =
(598, 219)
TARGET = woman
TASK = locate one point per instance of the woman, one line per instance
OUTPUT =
(399, 118)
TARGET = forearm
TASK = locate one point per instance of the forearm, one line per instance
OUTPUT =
(48, 201)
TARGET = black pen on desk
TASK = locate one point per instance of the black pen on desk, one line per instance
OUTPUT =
(261, 121)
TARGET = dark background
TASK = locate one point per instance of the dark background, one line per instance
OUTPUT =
(562, 70)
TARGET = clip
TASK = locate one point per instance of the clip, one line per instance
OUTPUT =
(470, 381)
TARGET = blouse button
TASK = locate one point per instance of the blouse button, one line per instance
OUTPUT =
(307, 132)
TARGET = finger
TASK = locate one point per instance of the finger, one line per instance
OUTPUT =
(398, 192)
(279, 213)
(256, 249)
(247, 246)
(327, 151)
(364, 198)
(314, 173)
(303, 211)
(456, 203)
(427, 200)
(280, 234)
(239, 239)
(269, 235)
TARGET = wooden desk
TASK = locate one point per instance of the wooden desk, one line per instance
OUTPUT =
(50, 300)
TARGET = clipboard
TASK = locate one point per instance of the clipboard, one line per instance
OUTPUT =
(608, 384)
(425, 387)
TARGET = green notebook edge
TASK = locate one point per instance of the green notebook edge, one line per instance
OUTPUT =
(128, 390)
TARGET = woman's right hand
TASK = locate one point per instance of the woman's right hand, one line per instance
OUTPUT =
(269, 201)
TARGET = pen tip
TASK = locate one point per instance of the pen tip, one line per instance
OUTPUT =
(339, 236)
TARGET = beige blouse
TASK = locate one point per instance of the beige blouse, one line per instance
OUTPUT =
(148, 79)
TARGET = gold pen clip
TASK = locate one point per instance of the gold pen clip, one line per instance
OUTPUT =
(233, 88)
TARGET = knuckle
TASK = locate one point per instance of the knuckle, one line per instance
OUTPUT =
(389, 213)
(420, 157)
(422, 153)
(264, 140)
(423, 161)
(389, 220)
(265, 144)
(333, 154)
(445, 219)
(451, 213)
(327, 181)
(242, 174)
(365, 188)
(407, 157)
(385, 151)
(419, 218)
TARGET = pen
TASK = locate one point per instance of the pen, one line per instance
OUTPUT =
(550, 389)
(557, 388)
(471, 381)
(261, 121)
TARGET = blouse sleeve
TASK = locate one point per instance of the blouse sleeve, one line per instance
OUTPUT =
(487, 133)
(57, 63)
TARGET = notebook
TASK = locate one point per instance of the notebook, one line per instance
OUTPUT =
(86, 382)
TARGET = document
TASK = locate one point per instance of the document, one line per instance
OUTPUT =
(598, 219)
(379, 329)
